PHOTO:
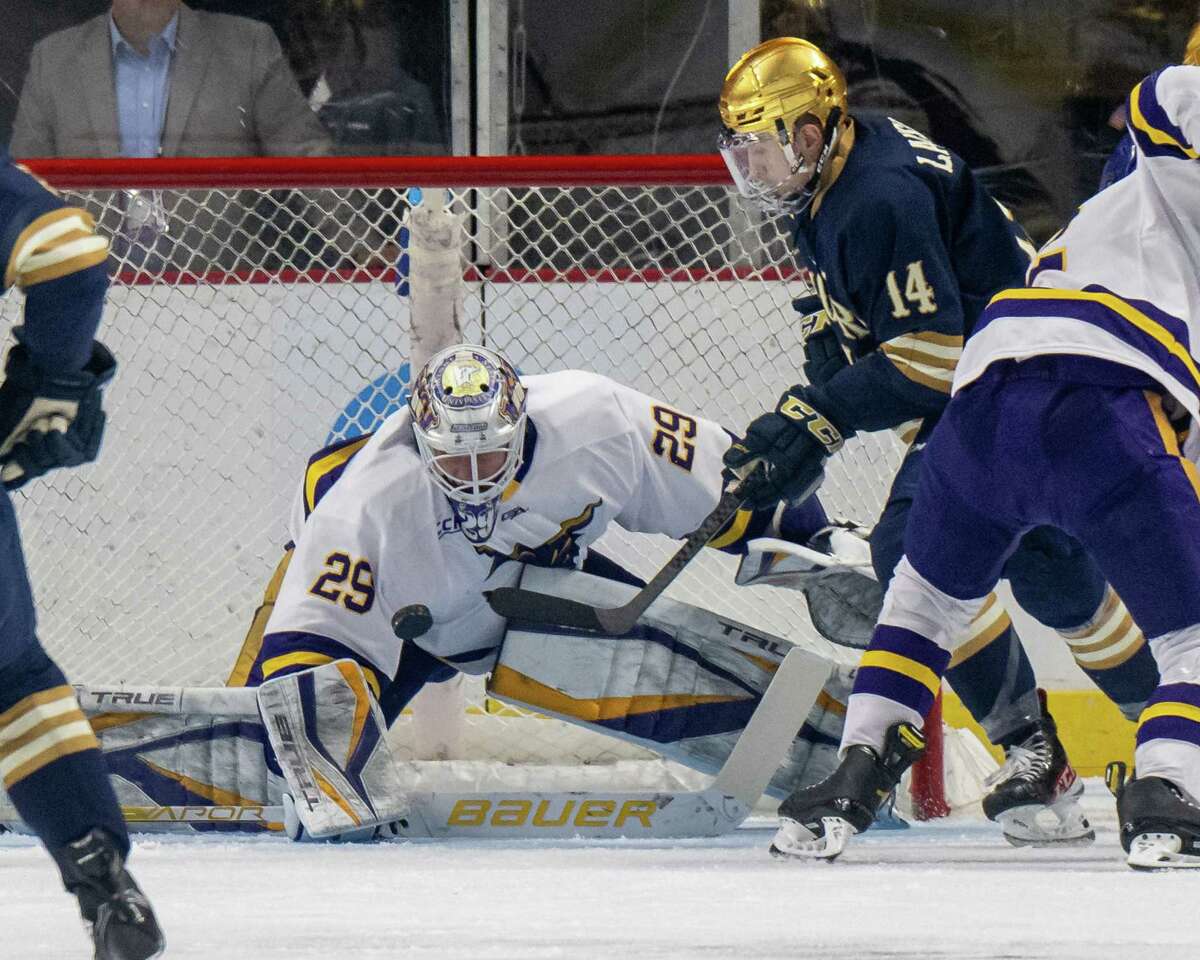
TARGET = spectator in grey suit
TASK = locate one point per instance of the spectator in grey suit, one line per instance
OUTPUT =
(157, 78)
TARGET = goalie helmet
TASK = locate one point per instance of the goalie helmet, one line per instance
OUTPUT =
(468, 417)
(771, 89)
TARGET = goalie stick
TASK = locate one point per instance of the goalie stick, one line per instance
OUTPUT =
(514, 603)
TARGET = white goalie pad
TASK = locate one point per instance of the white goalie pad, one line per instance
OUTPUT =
(838, 583)
(328, 735)
(684, 683)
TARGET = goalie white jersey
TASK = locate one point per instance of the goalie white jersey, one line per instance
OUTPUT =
(383, 536)
(1122, 281)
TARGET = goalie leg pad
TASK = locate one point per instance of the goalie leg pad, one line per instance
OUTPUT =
(684, 683)
(327, 732)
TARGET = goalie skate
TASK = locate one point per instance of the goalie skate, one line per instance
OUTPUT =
(816, 822)
(1160, 824)
(1036, 793)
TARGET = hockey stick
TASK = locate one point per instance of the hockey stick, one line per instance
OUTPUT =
(649, 814)
(513, 603)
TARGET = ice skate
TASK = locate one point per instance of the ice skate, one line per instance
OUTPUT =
(816, 822)
(1036, 793)
(1160, 824)
(121, 920)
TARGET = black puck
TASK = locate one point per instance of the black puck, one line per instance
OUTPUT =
(412, 621)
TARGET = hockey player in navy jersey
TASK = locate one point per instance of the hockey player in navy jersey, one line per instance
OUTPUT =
(1067, 409)
(905, 248)
(50, 417)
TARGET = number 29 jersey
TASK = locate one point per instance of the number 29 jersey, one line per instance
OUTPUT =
(372, 532)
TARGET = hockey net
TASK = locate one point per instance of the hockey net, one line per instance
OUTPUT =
(258, 313)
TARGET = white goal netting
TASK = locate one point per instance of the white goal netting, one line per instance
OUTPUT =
(254, 326)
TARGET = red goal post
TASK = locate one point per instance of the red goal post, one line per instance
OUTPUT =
(255, 305)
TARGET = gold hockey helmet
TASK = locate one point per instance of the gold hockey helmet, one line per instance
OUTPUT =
(1191, 52)
(770, 89)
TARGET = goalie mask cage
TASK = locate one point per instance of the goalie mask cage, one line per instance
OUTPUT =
(258, 312)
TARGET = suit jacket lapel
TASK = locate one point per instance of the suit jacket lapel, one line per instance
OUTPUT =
(190, 63)
(99, 87)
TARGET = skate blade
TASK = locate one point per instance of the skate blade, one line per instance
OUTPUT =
(795, 841)
(1159, 851)
(1062, 824)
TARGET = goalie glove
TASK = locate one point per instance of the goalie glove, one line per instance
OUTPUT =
(793, 442)
(50, 420)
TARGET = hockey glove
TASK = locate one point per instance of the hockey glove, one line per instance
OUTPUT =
(50, 420)
(823, 356)
(794, 442)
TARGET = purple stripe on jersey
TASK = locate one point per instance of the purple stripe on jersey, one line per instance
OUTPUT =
(1169, 728)
(894, 686)
(910, 644)
(1151, 149)
(1174, 326)
(1084, 309)
(1155, 115)
(1099, 315)
(285, 642)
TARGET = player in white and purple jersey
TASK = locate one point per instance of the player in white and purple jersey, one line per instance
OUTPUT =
(1069, 404)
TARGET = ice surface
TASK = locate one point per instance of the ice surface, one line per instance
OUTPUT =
(954, 891)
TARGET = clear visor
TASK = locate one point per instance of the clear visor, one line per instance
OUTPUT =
(763, 169)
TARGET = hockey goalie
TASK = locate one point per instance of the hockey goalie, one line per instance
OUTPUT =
(483, 479)
(485, 475)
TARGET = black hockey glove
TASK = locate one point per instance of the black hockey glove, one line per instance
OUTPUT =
(794, 442)
(823, 357)
(50, 420)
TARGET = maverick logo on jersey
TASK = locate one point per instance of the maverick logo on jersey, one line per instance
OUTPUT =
(561, 550)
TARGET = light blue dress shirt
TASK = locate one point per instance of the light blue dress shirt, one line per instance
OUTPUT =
(142, 88)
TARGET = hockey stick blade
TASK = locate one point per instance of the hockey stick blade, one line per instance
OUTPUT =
(513, 603)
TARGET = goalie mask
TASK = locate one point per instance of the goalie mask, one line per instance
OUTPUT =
(468, 415)
(767, 93)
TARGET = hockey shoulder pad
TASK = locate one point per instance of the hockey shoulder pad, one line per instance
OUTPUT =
(328, 735)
